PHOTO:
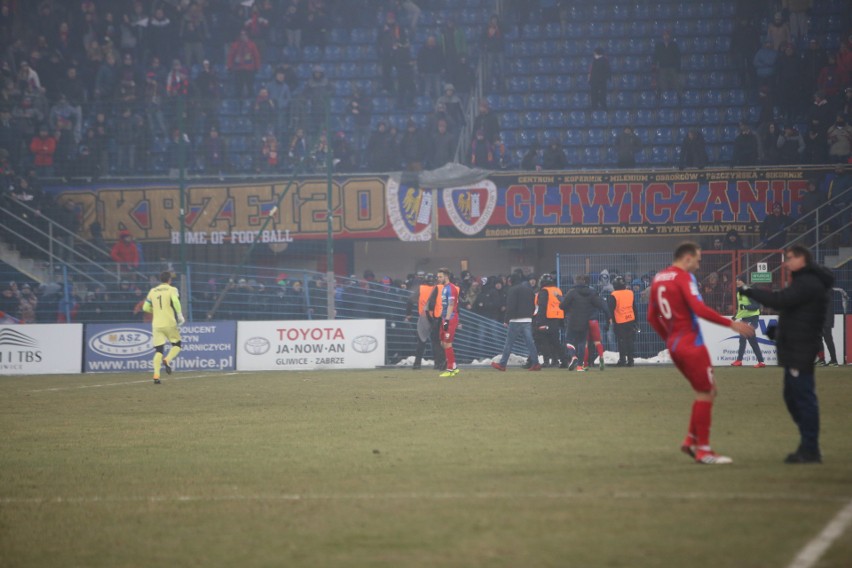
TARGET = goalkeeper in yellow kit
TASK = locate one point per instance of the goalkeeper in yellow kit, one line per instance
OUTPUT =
(164, 303)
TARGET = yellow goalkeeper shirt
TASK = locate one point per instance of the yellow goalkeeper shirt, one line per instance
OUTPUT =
(164, 303)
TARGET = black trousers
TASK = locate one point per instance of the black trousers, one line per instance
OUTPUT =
(755, 346)
(803, 406)
(829, 342)
(437, 350)
(625, 335)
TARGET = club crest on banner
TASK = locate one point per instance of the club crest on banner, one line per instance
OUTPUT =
(410, 211)
(470, 207)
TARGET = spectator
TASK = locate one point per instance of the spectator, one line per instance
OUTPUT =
(153, 104)
(453, 42)
(453, 105)
(97, 234)
(27, 305)
(100, 142)
(462, 75)
(554, 158)
(206, 92)
(846, 104)
(178, 152)
(481, 152)
(746, 148)
(215, 153)
(319, 154)
(789, 75)
(124, 252)
(790, 146)
(263, 113)
(502, 157)
(732, 241)
(693, 153)
(410, 15)
(298, 152)
(315, 29)
(193, 33)
(839, 140)
(67, 121)
(816, 145)
(745, 41)
(269, 153)
(487, 122)
(493, 50)
(406, 92)
(243, 63)
(430, 64)
(829, 80)
(68, 217)
(106, 79)
(667, 61)
(293, 23)
(279, 93)
(778, 32)
(599, 74)
(773, 229)
(768, 139)
(125, 140)
(798, 14)
(257, 28)
(443, 145)
(360, 108)
(381, 148)
(813, 60)
(391, 38)
(764, 63)
(161, 35)
(821, 111)
(531, 160)
(318, 91)
(43, 148)
(627, 145)
(412, 147)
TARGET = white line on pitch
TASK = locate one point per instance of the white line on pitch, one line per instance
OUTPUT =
(814, 550)
(129, 383)
(449, 496)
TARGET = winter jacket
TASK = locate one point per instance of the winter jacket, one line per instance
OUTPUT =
(580, 306)
(520, 302)
(802, 313)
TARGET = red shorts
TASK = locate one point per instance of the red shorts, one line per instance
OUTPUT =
(694, 362)
(594, 331)
(447, 335)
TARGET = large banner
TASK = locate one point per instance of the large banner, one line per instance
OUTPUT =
(205, 346)
(41, 349)
(723, 344)
(310, 345)
(502, 206)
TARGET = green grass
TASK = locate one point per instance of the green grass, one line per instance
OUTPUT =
(400, 468)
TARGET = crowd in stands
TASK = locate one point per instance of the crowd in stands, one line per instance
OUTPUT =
(91, 88)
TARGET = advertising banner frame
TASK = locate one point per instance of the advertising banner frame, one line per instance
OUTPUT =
(41, 349)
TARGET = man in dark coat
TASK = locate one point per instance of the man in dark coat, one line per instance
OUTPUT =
(798, 337)
(520, 305)
(579, 306)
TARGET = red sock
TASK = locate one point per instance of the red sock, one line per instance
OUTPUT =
(702, 413)
(451, 357)
(586, 355)
(599, 347)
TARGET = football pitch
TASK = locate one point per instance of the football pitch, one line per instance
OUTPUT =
(395, 467)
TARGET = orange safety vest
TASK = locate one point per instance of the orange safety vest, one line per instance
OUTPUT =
(436, 311)
(553, 309)
(425, 290)
(623, 311)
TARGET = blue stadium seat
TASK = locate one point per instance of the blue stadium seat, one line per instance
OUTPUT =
(573, 137)
(711, 116)
(633, 63)
(537, 100)
(724, 26)
(646, 99)
(689, 116)
(338, 105)
(622, 118)
(691, 98)
(599, 12)
(711, 134)
(646, 117)
(599, 118)
(510, 120)
(528, 137)
(638, 29)
(509, 137)
(518, 66)
(640, 45)
(667, 116)
(628, 81)
(721, 44)
(577, 118)
(617, 46)
(642, 11)
(235, 125)
(230, 107)
(553, 30)
(562, 83)
(620, 11)
(551, 47)
(705, 27)
(593, 155)
(517, 49)
(683, 28)
(712, 97)
(239, 143)
(531, 119)
(687, 10)
(596, 136)
(733, 114)
(663, 11)
(580, 99)
(532, 30)
(736, 97)
(512, 102)
(598, 29)
(311, 53)
(574, 155)
(364, 35)
(729, 133)
(661, 155)
(726, 153)
(540, 83)
(559, 100)
(644, 134)
(663, 135)
(334, 53)
(623, 100)
(554, 119)
(518, 85)
(669, 99)
(550, 134)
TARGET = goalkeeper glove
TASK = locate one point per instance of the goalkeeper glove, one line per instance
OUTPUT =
(181, 320)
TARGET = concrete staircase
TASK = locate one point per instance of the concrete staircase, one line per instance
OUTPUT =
(843, 256)
(37, 270)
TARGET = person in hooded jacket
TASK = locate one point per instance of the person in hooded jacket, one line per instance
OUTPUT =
(798, 337)
(579, 306)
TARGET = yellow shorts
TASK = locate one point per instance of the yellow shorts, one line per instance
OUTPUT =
(163, 334)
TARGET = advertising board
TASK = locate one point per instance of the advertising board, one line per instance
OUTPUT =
(116, 347)
(310, 345)
(41, 349)
(723, 343)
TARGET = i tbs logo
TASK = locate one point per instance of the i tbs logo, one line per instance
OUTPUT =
(17, 347)
(121, 343)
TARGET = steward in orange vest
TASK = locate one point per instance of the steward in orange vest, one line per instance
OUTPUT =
(547, 323)
(622, 304)
(433, 309)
